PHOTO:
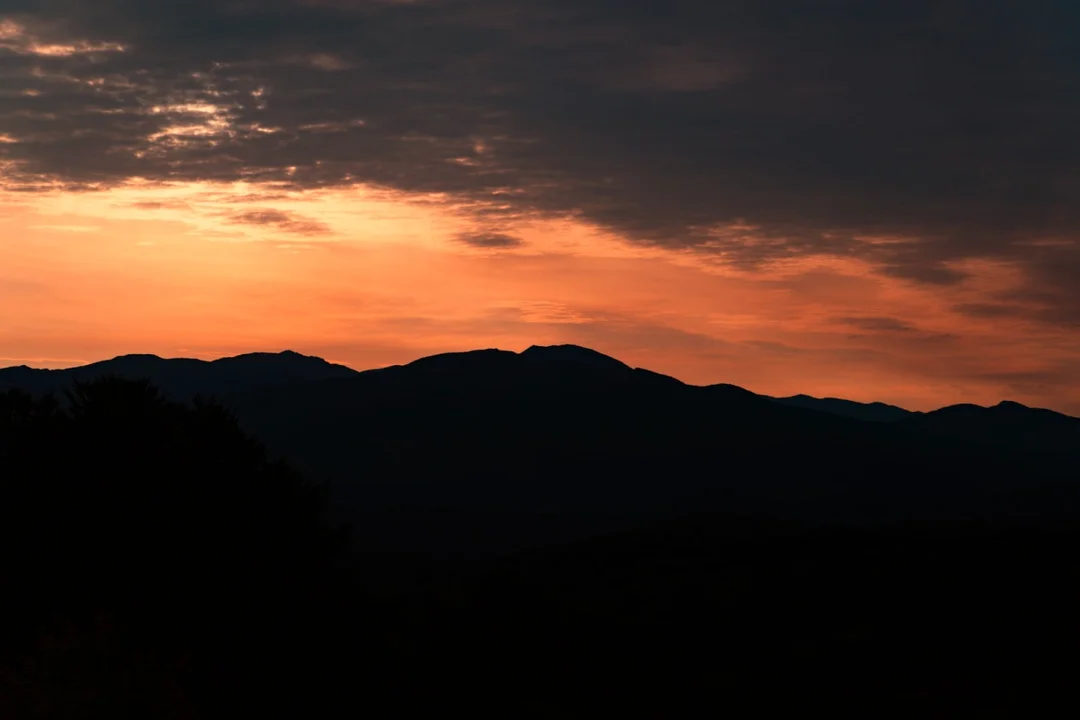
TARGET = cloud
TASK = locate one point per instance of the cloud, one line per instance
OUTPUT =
(878, 324)
(14, 38)
(989, 310)
(911, 134)
(550, 313)
(1045, 383)
(67, 228)
(287, 222)
(489, 240)
(160, 205)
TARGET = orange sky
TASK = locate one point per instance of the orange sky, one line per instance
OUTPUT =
(370, 278)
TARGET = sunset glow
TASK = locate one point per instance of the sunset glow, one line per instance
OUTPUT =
(369, 278)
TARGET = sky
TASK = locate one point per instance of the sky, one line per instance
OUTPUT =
(878, 201)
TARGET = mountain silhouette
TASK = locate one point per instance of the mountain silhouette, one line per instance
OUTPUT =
(572, 355)
(183, 378)
(873, 412)
(1007, 423)
(552, 525)
(491, 447)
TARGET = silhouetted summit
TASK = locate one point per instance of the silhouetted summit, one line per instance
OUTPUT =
(572, 355)
(537, 362)
(472, 361)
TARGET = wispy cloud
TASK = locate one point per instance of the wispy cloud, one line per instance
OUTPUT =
(489, 240)
(878, 324)
(279, 220)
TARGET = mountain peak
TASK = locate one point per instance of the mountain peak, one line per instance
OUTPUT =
(573, 354)
(290, 355)
(471, 360)
(133, 357)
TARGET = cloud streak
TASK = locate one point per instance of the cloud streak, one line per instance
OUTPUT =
(878, 324)
(277, 219)
(490, 240)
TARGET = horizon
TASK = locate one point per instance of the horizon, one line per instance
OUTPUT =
(288, 351)
(711, 191)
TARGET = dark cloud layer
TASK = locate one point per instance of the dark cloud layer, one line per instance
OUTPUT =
(805, 125)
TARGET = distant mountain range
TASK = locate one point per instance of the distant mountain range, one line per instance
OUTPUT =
(556, 435)
(185, 377)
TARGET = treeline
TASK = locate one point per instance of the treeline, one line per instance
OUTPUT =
(155, 562)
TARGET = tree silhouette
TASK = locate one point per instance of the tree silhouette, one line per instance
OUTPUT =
(142, 538)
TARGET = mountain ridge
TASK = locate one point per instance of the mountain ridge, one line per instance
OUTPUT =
(559, 443)
(184, 377)
(318, 368)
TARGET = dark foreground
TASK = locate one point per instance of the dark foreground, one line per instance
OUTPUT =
(156, 564)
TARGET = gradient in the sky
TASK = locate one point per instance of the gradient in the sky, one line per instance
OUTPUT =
(823, 197)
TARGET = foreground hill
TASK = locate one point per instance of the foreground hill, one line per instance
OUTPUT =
(157, 563)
